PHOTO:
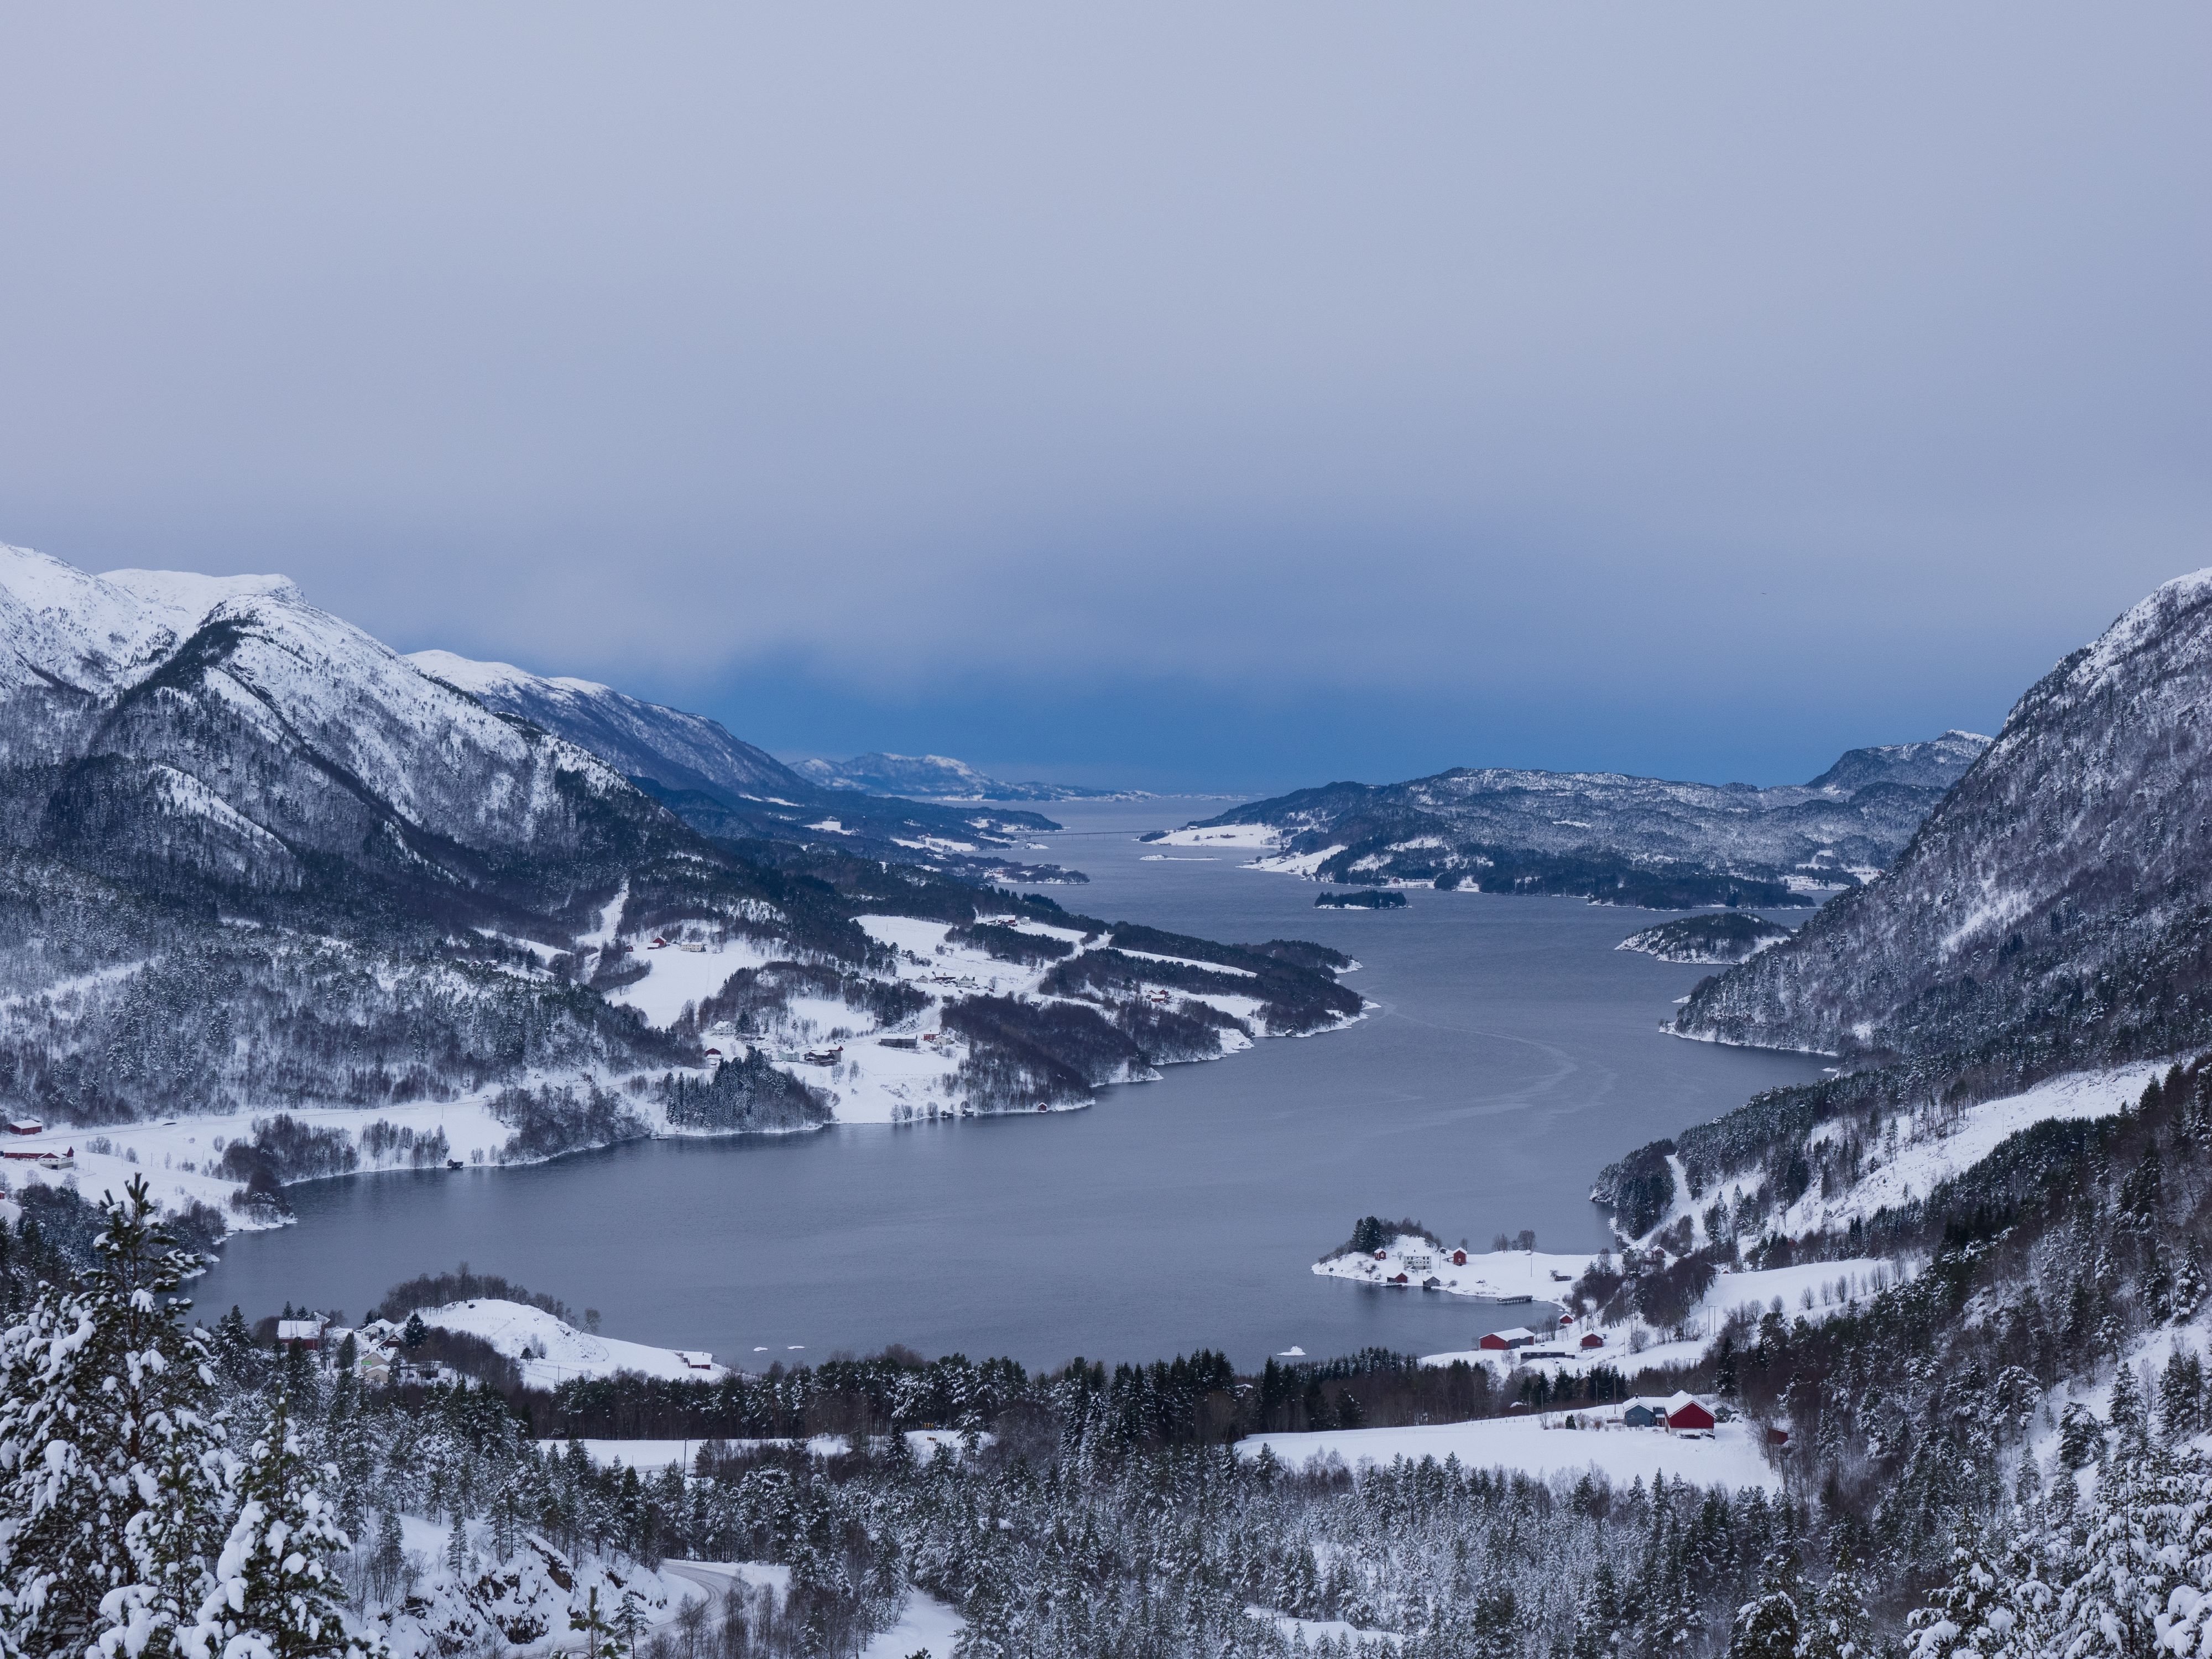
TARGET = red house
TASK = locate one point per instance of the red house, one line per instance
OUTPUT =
(1459, 1258)
(1515, 1337)
(1684, 1413)
(1593, 1340)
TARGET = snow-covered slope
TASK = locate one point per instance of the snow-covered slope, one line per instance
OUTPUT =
(61, 628)
(1609, 834)
(1937, 763)
(551, 1351)
(2059, 895)
(725, 787)
(640, 738)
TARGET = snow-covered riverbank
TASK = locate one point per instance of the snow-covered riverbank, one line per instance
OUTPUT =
(182, 1157)
(907, 1072)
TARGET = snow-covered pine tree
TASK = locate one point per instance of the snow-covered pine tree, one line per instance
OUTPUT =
(2148, 1508)
(1956, 1620)
(110, 1462)
(1837, 1625)
(1769, 1626)
(276, 1595)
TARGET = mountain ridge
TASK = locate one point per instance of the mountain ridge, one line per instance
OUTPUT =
(940, 777)
(2052, 899)
(1610, 835)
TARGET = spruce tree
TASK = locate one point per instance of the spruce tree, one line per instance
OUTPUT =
(1769, 1626)
(110, 1465)
(2148, 1509)
(1957, 1617)
(276, 1595)
(1837, 1626)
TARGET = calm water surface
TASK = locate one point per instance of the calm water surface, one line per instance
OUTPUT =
(1514, 1052)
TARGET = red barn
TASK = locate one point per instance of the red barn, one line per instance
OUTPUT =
(1515, 1337)
(1459, 1258)
(1593, 1340)
(1684, 1413)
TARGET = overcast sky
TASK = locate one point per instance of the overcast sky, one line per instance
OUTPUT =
(1182, 395)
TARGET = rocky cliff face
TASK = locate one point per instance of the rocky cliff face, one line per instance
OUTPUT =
(2055, 905)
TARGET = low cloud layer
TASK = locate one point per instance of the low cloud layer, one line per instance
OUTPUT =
(1248, 395)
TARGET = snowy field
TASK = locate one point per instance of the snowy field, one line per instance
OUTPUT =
(1812, 1292)
(551, 1351)
(179, 1156)
(677, 978)
(1543, 1275)
(1732, 1456)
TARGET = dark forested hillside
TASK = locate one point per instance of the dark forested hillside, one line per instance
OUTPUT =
(2056, 904)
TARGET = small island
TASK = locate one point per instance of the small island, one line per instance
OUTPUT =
(1370, 899)
(1729, 936)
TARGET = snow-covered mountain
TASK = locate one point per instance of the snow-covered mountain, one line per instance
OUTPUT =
(939, 777)
(726, 787)
(228, 724)
(1937, 763)
(640, 738)
(2060, 896)
(250, 858)
(1610, 835)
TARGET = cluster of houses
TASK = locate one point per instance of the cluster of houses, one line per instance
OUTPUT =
(1520, 1337)
(377, 1360)
(1678, 1413)
(45, 1158)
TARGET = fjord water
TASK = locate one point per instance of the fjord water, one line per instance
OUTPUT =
(1514, 1052)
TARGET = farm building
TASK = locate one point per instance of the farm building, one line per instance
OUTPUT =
(1685, 1412)
(1593, 1340)
(1516, 1337)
